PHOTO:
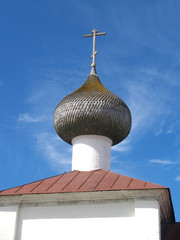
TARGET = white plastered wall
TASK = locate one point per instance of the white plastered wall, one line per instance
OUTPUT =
(8, 216)
(81, 221)
(121, 219)
(147, 215)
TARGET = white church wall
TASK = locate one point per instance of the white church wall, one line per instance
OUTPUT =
(90, 220)
(108, 214)
(147, 215)
(123, 220)
(7, 222)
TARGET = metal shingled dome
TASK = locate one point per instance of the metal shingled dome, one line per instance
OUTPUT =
(92, 109)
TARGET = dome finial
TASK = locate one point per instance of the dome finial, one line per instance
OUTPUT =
(94, 34)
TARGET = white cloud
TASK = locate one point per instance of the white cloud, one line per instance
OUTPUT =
(144, 103)
(152, 97)
(153, 102)
(35, 97)
(26, 117)
(122, 147)
(51, 146)
(177, 178)
(149, 104)
(162, 162)
(42, 102)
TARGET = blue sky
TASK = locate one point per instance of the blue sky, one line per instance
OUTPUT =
(44, 57)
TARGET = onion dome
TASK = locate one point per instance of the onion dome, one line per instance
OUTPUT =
(92, 110)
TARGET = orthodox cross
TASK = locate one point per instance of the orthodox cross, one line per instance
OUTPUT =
(94, 34)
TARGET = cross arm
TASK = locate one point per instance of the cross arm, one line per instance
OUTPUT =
(88, 35)
(97, 34)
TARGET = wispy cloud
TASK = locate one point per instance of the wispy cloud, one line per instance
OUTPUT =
(26, 117)
(122, 147)
(177, 178)
(146, 99)
(51, 146)
(41, 104)
(161, 162)
(36, 96)
(153, 102)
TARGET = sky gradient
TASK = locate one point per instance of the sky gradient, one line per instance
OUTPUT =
(44, 57)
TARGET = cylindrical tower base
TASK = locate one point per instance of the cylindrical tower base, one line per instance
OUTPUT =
(91, 152)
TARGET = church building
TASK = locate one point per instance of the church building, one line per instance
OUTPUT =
(90, 202)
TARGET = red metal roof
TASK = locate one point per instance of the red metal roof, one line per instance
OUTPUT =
(80, 181)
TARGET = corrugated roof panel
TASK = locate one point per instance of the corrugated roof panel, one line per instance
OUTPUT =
(122, 182)
(93, 180)
(62, 182)
(28, 188)
(10, 191)
(136, 184)
(79, 181)
(108, 181)
(46, 184)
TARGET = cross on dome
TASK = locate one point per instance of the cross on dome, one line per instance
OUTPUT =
(92, 119)
(94, 34)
